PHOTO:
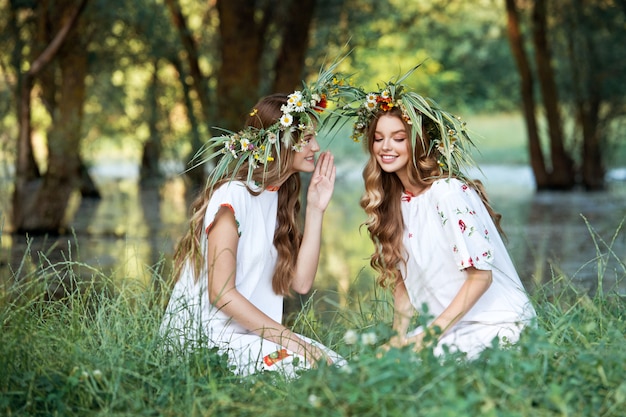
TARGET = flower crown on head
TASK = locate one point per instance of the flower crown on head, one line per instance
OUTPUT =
(300, 115)
(447, 133)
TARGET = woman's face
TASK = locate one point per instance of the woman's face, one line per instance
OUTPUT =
(390, 145)
(304, 161)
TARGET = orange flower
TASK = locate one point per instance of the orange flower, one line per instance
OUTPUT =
(385, 103)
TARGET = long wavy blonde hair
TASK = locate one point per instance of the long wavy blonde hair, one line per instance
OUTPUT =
(382, 198)
(287, 236)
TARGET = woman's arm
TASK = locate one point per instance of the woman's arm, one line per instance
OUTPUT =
(318, 197)
(222, 265)
(476, 284)
(403, 311)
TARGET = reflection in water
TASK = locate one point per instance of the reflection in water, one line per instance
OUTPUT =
(130, 232)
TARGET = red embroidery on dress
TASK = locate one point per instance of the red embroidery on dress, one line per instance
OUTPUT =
(410, 235)
(275, 357)
(407, 196)
(228, 206)
(462, 226)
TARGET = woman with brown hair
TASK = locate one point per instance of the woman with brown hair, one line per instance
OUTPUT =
(244, 250)
(437, 239)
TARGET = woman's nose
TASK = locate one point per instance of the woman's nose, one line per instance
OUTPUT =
(315, 147)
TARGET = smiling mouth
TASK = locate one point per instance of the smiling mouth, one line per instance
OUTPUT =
(388, 158)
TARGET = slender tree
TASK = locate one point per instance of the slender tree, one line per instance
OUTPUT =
(562, 175)
(200, 84)
(39, 205)
(527, 93)
(578, 47)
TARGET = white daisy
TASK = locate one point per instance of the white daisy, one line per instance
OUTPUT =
(286, 120)
(294, 97)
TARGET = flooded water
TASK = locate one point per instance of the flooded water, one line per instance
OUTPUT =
(571, 238)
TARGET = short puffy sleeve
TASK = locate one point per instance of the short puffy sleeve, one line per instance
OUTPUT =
(466, 225)
(232, 195)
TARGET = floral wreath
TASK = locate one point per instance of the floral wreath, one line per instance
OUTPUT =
(448, 133)
(300, 115)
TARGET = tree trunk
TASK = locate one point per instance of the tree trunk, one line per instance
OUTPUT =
(34, 211)
(562, 175)
(295, 43)
(150, 170)
(196, 172)
(593, 171)
(587, 100)
(63, 175)
(526, 85)
(241, 48)
(200, 85)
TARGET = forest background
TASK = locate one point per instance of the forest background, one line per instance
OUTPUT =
(149, 79)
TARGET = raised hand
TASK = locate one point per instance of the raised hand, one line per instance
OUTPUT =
(322, 182)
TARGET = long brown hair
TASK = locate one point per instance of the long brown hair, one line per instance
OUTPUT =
(287, 236)
(381, 199)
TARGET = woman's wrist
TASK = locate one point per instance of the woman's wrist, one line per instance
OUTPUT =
(398, 341)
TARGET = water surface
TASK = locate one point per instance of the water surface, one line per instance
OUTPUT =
(571, 238)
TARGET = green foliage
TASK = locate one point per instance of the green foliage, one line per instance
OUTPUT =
(466, 59)
(96, 350)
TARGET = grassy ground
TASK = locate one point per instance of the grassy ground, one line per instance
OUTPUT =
(97, 352)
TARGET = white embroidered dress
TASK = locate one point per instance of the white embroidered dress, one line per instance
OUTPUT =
(448, 229)
(190, 318)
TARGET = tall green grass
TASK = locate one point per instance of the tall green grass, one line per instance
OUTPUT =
(91, 347)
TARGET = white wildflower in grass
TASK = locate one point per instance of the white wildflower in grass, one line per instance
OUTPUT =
(315, 401)
(369, 338)
(346, 369)
(97, 374)
(351, 337)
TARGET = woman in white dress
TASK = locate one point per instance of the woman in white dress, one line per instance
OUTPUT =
(244, 250)
(438, 241)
